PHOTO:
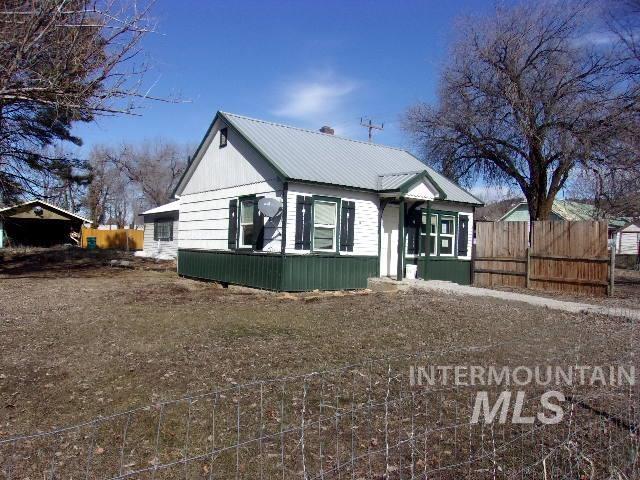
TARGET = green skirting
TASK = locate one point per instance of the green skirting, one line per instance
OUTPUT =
(449, 269)
(279, 272)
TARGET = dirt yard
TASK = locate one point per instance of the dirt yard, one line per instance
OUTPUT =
(79, 338)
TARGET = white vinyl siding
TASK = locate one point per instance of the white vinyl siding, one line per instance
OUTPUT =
(365, 228)
(422, 191)
(234, 165)
(204, 217)
(628, 240)
(159, 248)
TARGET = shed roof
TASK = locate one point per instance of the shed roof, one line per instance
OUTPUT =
(307, 155)
(574, 211)
(167, 207)
(7, 210)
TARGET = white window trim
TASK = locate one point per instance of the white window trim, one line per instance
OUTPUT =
(241, 243)
(452, 235)
(325, 225)
(434, 235)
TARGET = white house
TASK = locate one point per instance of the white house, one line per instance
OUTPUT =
(161, 231)
(340, 211)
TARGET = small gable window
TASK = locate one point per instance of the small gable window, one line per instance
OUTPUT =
(223, 137)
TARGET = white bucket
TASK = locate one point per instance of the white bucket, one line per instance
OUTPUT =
(411, 271)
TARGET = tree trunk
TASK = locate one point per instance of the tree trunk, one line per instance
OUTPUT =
(540, 206)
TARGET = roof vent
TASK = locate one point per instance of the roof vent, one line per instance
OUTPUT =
(328, 130)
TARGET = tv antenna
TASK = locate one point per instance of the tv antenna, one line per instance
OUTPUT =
(369, 125)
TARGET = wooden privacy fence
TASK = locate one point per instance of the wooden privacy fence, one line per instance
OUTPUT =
(121, 239)
(563, 256)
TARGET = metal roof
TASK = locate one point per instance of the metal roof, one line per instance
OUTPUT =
(308, 155)
(574, 211)
(393, 181)
(167, 207)
(49, 205)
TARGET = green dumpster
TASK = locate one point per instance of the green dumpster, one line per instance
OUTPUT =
(91, 243)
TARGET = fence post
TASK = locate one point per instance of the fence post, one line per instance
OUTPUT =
(612, 269)
(528, 269)
(473, 261)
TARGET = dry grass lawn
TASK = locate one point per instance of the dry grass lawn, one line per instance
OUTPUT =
(79, 339)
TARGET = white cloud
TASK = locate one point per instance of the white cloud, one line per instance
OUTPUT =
(317, 99)
(598, 39)
(494, 193)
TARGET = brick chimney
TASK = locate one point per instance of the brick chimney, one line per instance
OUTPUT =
(328, 130)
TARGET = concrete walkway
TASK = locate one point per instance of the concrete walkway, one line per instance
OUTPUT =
(387, 284)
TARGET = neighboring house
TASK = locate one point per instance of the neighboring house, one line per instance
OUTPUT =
(161, 231)
(628, 239)
(340, 211)
(566, 210)
(38, 224)
(492, 212)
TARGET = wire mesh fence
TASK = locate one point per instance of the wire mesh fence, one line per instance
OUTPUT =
(408, 416)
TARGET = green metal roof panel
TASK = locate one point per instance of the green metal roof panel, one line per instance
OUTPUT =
(318, 157)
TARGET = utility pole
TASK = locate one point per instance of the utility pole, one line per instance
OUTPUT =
(370, 126)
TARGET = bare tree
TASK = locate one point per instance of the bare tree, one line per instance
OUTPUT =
(155, 168)
(108, 195)
(62, 61)
(524, 98)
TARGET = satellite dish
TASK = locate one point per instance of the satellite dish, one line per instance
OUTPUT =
(37, 210)
(269, 207)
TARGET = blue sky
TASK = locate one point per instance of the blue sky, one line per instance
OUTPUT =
(301, 63)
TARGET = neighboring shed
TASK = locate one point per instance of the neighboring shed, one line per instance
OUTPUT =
(38, 224)
(283, 208)
(161, 231)
(628, 239)
(565, 210)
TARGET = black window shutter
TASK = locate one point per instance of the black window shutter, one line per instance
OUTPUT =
(171, 230)
(303, 222)
(155, 229)
(299, 220)
(233, 224)
(347, 222)
(463, 235)
(306, 221)
(258, 226)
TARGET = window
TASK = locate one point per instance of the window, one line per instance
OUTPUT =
(223, 137)
(163, 229)
(433, 235)
(413, 226)
(447, 235)
(324, 225)
(246, 223)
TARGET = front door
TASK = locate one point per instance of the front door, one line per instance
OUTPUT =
(389, 242)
